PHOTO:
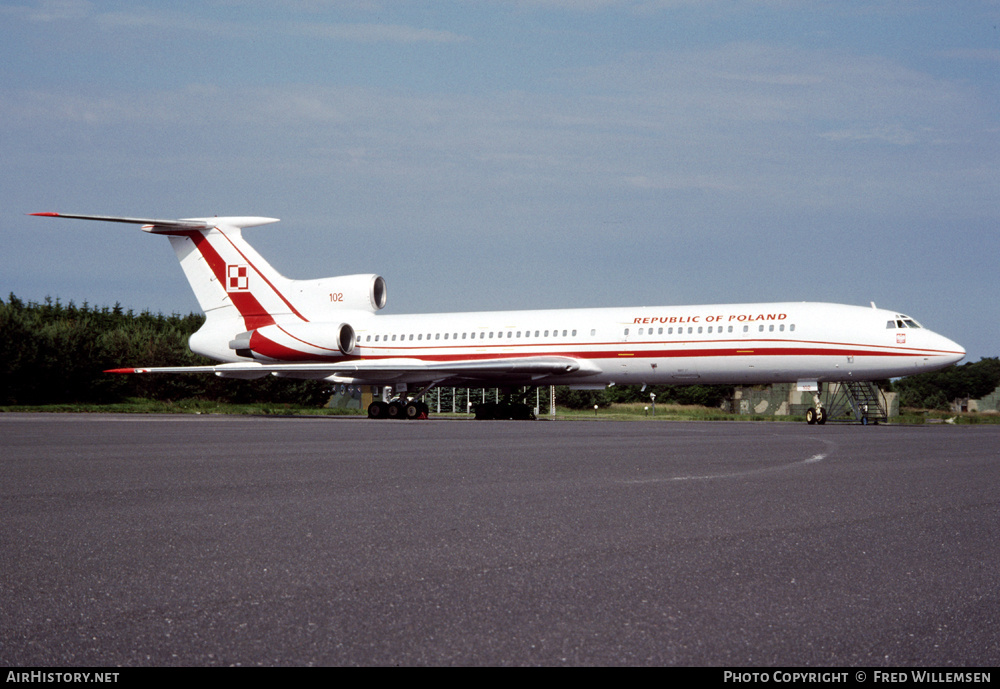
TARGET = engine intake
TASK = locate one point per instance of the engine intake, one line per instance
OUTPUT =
(346, 338)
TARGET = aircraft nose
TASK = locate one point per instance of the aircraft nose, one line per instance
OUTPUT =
(953, 352)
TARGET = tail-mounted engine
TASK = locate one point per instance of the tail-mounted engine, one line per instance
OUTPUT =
(347, 292)
(299, 342)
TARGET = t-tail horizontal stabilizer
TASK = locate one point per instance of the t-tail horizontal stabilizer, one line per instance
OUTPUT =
(169, 225)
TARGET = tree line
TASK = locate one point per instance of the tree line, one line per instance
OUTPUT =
(938, 389)
(54, 353)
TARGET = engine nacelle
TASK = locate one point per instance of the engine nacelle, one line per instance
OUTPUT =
(298, 342)
(343, 292)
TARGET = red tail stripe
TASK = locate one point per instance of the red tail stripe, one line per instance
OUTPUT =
(264, 278)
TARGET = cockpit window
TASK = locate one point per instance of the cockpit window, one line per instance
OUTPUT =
(902, 322)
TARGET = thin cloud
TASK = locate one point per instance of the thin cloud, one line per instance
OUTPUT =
(142, 18)
(51, 10)
(375, 33)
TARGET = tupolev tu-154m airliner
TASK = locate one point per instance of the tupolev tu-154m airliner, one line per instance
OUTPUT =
(259, 322)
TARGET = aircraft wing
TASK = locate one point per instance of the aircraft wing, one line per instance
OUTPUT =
(379, 371)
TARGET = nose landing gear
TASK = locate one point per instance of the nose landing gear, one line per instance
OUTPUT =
(815, 415)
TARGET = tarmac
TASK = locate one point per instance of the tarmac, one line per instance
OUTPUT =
(146, 540)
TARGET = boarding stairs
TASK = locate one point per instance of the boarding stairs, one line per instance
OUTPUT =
(862, 402)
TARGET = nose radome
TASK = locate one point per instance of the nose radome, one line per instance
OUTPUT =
(954, 352)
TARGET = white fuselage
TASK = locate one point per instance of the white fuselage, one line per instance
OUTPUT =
(710, 344)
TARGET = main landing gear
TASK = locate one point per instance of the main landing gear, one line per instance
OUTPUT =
(398, 409)
(512, 407)
(509, 408)
(517, 411)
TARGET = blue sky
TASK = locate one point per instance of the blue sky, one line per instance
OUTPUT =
(532, 154)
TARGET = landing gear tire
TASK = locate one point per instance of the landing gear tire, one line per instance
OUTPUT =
(416, 410)
(396, 410)
(815, 415)
(378, 410)
(522, 412)
(487, 411)
(494, 411)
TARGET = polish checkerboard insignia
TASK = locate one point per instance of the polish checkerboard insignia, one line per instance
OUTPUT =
(237, 278)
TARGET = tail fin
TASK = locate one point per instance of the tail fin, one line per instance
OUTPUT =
(225, 272)
(229, 279)
(238, 290)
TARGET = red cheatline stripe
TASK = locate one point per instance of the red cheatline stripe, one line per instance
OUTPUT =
(640, 354)
(745, 348)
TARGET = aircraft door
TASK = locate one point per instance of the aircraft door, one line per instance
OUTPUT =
(685, 367)
(625, 350)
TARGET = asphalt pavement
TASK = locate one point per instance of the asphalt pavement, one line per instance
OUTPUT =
(138, 540)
